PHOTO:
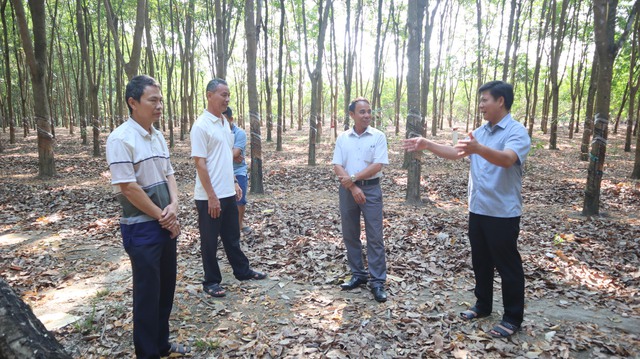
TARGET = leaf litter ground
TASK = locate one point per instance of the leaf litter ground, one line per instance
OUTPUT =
(60, 248)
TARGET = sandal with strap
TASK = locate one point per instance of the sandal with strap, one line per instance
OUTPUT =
(178, 350)
(215, 290)
(503, 330)
(254, 275)
(473, 313)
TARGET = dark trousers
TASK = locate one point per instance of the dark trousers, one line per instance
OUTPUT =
(154, 269)
(494, 245)
(226, 227)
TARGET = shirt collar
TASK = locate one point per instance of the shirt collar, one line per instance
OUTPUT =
(142, 131)
(213, 118)
(502, 124)
(353, 132)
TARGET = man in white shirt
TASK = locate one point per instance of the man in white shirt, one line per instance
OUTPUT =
(358, 158)
(216, 191)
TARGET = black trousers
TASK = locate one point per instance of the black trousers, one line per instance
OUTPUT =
(154, 269)
(226, 227)
(494, 246)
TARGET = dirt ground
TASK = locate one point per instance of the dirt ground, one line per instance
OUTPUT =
(60, 248)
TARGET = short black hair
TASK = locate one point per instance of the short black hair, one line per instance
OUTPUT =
(135, 88)
(228, 112)
(499, 89)
(352, 105)
(213, 84)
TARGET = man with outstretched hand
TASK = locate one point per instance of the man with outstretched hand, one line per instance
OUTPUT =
(497, 152)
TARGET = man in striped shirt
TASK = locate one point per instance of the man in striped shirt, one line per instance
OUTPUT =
(143, 181)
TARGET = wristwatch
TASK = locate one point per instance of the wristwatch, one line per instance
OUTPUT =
(353, 178)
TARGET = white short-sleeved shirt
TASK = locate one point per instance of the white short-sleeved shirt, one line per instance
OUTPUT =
(355, 152)
(212, 139)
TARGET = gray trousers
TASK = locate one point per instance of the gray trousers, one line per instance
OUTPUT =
(372, 212)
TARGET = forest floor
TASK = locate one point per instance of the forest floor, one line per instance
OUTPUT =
(60, 248)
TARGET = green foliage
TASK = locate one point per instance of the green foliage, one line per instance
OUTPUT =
(459, 67)
(87, 324)
(206, 344)
(558, 240)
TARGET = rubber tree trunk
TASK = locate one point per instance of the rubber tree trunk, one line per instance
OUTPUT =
(22, 335)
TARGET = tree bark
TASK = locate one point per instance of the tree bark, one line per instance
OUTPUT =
(416, 9)
(131, 67)
(93, 74)
(349, 57)
(588, 121)
(477, 117)
(22, 335)
(36, 55)
(267, 70)
(544, 26)
(634, 72)
(7, 68)
(557, 34)
(400, 52)
(279, 91)
(251, 27)
(315, 75)
(510, 33)
(604, 15)
(429, 22)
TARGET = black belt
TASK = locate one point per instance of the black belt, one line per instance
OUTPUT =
(369, 182)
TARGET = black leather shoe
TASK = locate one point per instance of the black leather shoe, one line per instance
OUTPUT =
(379, 294)
(353, 283)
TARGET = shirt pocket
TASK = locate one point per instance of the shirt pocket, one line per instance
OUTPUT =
(369, 155)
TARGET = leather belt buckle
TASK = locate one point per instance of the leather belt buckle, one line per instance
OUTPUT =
(369, 182)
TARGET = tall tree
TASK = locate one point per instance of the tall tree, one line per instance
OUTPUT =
(36, 56)
(607, 47)
(515, 4)
(429, 23)
(577, 71)
(634, 83)
(315, 74)
(558, 26)
(399, 34)
(477, 117)
(378, 57)
(436, 110)
(415, 11)
(267, 70)
(350, 46)
(251, 31)
(169, 62)
(588, 118)
(7, 68)
(542, 31)
(279, 89)
(93, 67)
(131, 67)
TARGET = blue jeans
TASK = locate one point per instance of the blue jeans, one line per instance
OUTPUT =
(242, 182)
